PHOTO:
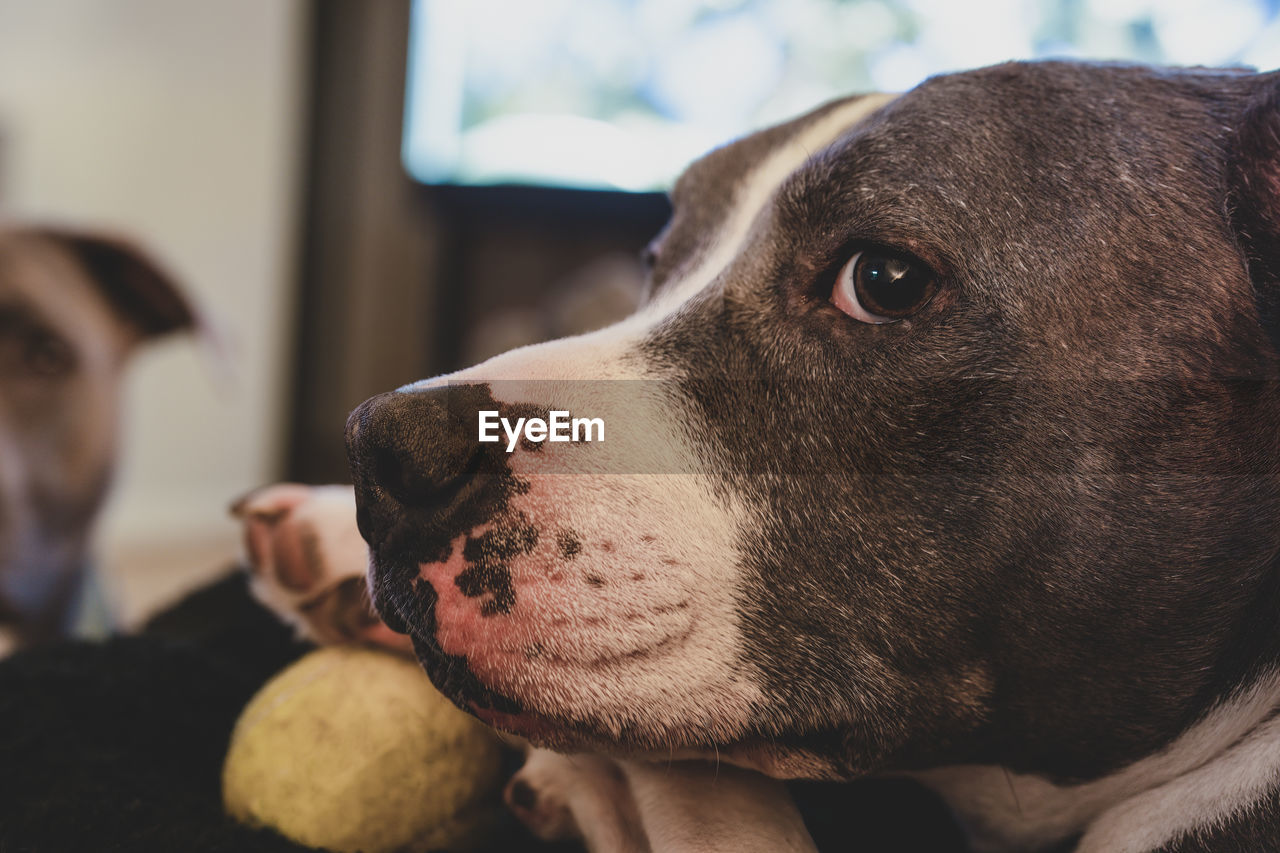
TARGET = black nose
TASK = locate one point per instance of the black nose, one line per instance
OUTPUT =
(412, 452)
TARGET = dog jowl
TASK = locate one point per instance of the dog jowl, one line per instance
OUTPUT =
(947, 435)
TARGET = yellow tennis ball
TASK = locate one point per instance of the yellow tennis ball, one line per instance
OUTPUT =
(353, 750)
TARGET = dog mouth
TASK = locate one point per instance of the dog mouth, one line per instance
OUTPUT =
(535, 728)
(752, 750)
(454, 678)
(407, 605)
(515, 703)
(508, 688)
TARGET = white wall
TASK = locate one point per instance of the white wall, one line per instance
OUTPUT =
(177, 121)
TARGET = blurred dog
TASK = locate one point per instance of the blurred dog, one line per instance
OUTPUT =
(73, 307)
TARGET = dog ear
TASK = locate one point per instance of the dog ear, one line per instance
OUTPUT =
(134, 283)
(1253, 183)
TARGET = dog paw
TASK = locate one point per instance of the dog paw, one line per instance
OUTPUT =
(539, 795)
(576, 797)
(307, 562)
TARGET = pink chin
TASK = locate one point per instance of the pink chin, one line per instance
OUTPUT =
(463, 629)
(492, 642)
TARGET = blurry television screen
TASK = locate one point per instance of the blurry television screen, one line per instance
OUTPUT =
(622, 94)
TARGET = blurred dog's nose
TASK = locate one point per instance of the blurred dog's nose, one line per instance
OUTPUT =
(411, 451)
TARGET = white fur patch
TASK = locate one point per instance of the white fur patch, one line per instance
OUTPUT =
(1216, 768)
(1201, 799)
(754, 194)
(663, 807)
(701, 808)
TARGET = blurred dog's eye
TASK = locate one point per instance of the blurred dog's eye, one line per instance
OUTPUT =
(875, 286)
(47, 356)
(30, 350)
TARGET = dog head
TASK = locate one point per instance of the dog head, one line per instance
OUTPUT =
(947, 432)
(73, 307)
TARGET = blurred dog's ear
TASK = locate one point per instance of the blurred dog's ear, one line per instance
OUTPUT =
(1253, 183)
(139, 288)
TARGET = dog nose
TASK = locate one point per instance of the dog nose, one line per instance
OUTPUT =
(411, 443)
(410, 451)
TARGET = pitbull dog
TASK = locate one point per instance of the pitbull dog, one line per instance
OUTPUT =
(946, 442)
(73, 307)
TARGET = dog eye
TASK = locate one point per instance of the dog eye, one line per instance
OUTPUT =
(875, 286)
(48, 356)
(29, 350)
